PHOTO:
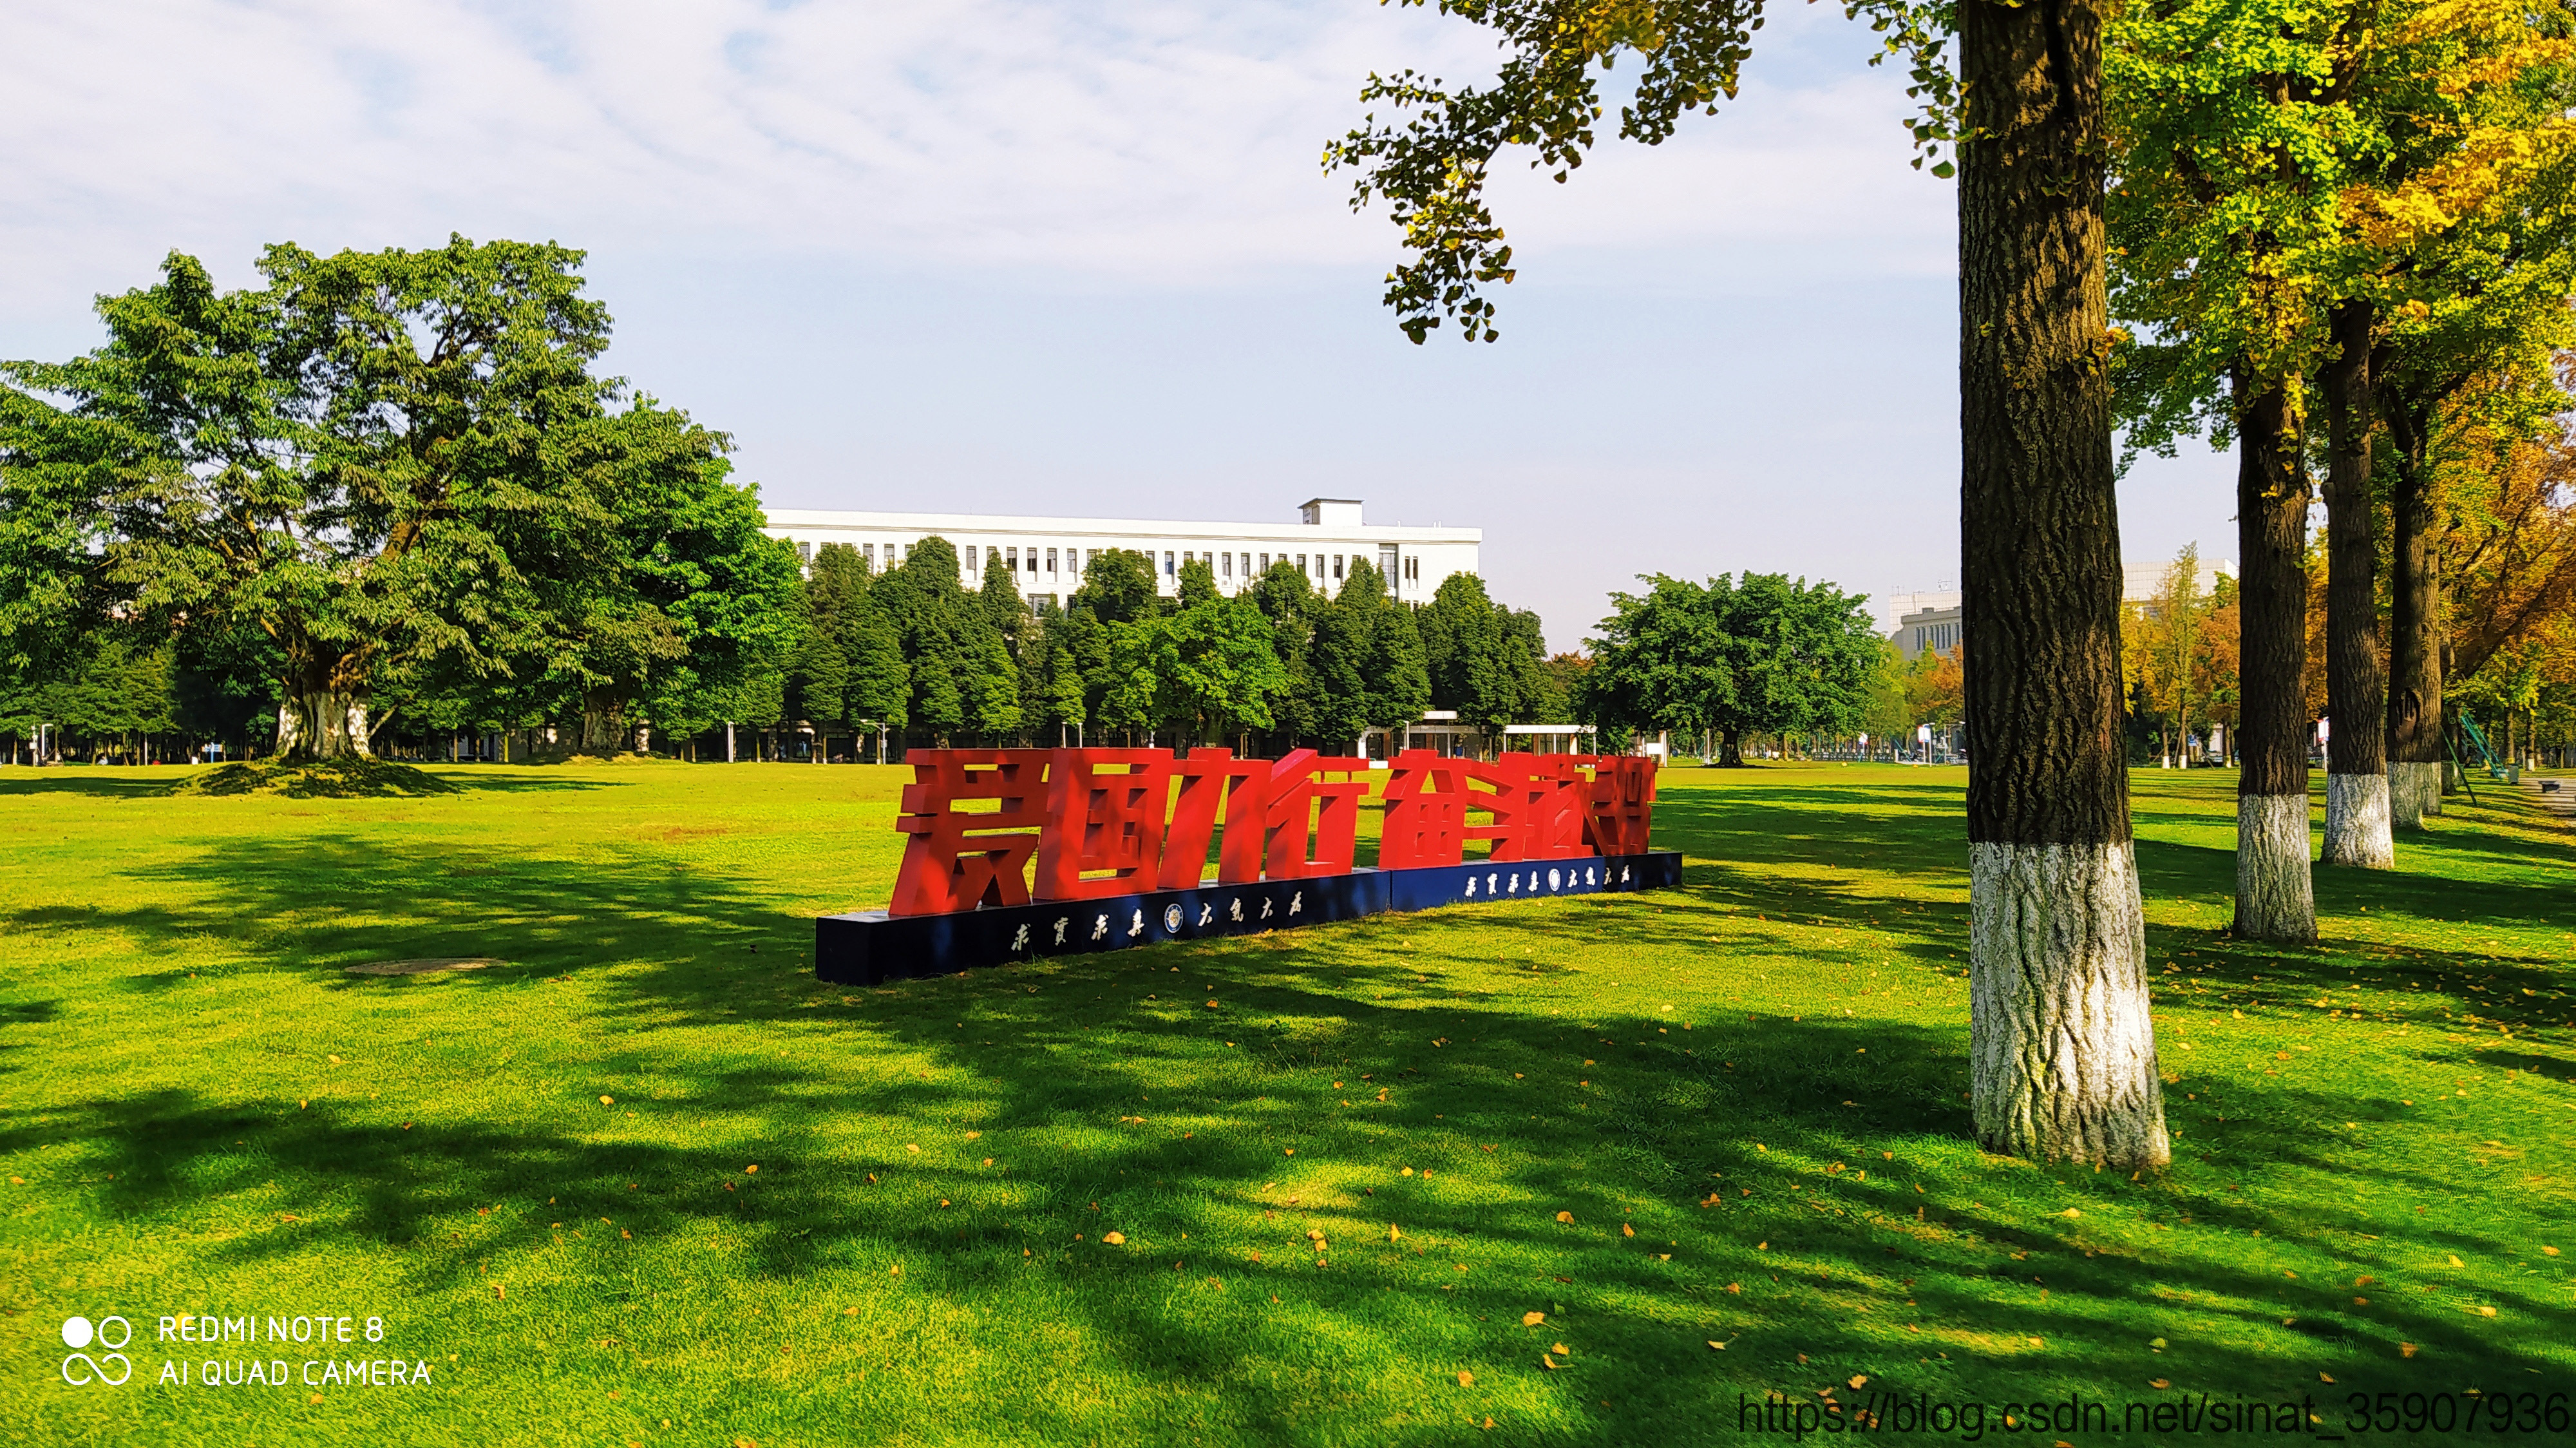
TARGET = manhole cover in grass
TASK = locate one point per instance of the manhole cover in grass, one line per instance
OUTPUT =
(423, 967)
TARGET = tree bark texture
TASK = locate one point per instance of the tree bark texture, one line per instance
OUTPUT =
(2414, 626)
(1730, 749)
(2064, 1054)
(2274, 898)
(2357, 831)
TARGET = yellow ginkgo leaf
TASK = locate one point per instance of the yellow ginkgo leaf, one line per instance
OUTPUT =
(1626, 1231)
(1567, 1217)
(1114, 1239)
(1532, 1319)
(1466, 1379)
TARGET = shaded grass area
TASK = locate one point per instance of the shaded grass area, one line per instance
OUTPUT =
(1336, 1157)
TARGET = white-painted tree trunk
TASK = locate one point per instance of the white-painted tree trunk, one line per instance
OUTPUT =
(2059, 1038)
(2357, 830)
(2275, 898)
(2414, 791)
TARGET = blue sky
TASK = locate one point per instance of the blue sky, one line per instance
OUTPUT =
(1079, 258)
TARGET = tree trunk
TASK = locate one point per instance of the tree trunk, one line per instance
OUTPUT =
(603, 721)
(2061, 1047)
(2414, 623)
(1730, 749)
(322, 723)
(2274, 896)
(2357, 831)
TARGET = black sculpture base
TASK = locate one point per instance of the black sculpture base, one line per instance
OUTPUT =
(869, 946)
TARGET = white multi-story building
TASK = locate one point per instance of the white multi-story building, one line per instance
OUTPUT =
(1048, 554)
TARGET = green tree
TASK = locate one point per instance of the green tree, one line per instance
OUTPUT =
(2056, 918)
(1661, 662)
(1117, 593)
(1051, 690)
(1291, 604)
(366, 459)
(1760, 655)
(1366, 667)
(1484, 660)
(687, 594)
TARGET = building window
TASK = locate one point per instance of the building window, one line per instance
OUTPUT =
(1301, 563)
(1265, 563)
(1168, 569)
(869, 552)
(1228, 560)
(970, 559)
(1050, 560)
(1337, 565)
(804, 552)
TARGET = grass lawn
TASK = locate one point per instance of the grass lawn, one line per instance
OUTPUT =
(1715, 1135)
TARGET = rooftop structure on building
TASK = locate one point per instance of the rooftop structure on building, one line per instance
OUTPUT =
(1047, 555)
(1931, 620)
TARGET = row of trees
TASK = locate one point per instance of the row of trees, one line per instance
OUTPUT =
(1278, 664)
(2354, 208)
(2342, 240)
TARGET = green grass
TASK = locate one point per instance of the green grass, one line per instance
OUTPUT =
(1760, 1074)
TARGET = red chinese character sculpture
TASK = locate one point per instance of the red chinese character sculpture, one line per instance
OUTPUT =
(955, 860)
(1109, 822)
(1245, 787)
(1536, 804)
(1298, 804)
(1619, 814)
(1105, 812)
(1425, 822)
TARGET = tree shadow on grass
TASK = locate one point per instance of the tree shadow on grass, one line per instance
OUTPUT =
(1177, 1119)
(162, 784)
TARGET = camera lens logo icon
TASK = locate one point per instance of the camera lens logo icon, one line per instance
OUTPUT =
(110, 1366)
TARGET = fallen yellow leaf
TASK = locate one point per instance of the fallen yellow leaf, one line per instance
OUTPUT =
(1858, 1379)
(1466, 1379)
(1532, 1319)
(1114, 1239)
(1626, 1231)
(755, 1166)
(607, 1100)
(1565, 1217)
(1561, 1350)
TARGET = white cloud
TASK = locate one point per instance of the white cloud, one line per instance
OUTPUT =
(1130, 143)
